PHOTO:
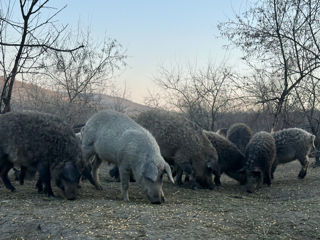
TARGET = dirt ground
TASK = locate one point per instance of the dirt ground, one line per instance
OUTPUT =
(289, 209)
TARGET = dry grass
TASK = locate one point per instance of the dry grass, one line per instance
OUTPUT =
(287, 210)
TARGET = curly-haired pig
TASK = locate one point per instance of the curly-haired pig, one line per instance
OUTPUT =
(292, 144)
(239, 134)
(260, 155)
(183, 146)
(40, 142)
(231, 159)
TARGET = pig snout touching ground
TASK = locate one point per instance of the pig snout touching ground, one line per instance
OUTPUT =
(43, 144)
(116, 138)
(260, 155)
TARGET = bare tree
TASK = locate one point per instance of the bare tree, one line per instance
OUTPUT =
(201, 94)
(87, 71)
(24, 38)
(31, 96)
(153, 100)
(119, 98)
(284, 37)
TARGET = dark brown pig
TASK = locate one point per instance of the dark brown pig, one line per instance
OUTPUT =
(183, 146)
(42, 143)
(239, 134)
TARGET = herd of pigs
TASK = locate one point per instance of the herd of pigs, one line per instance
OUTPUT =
(143, 149)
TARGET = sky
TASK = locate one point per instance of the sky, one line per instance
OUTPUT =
(156, 33)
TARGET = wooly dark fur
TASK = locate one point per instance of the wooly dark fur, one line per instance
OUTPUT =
(40, 142)
(231, 160)
(292, 144)
(183, 146)
(260, 155)
(239, 134)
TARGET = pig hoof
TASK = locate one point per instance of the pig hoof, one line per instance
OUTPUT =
(179, 183)
(217, 182)
(50, 195)
(99, 187)
(302, 175)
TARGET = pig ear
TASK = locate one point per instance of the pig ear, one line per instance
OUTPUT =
(150, 171)
(70, 172)
(168, 171)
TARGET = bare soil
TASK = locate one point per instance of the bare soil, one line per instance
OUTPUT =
(289, 209)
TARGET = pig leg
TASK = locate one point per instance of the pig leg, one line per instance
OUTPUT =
(180, 166)
(267, 175)
(39, 186)
(186, 178)
(179, 176)
(267, 178)
(90, 158)
(193, 180)
(260, 181)
(273, 168)
(16, 174)
(304, 163)
(86, 173)
(4, 175)
(217, 178)
(95, 172)
(124, 178)
(45, 177)
(162, 197)
(187, 168)
(23, 171)
(47, 187)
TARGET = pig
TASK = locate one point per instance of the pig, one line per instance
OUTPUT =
(260, 155)
(43, 143)
(183, 146)
(114, 137)
(230, 159)
(239, 134)
(292, 144)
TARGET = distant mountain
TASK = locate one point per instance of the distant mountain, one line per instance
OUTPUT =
(22, 89)
(121, 104)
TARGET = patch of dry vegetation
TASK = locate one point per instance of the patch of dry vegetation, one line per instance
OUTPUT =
(287, 210)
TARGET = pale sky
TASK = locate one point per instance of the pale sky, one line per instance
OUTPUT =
(155, 33)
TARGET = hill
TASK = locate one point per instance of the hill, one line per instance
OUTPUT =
(23, 90)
